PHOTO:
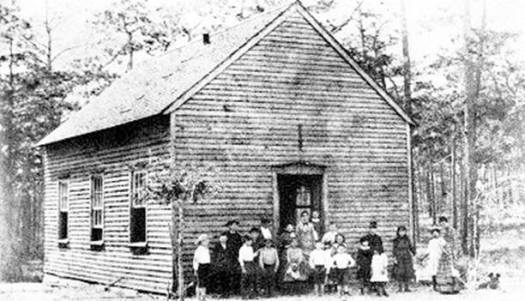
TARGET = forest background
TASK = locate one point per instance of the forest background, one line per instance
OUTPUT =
(456, 66)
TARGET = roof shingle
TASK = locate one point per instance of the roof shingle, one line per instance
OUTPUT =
(153, 85)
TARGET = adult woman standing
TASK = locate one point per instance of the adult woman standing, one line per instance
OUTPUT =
(306, 234)
(403, 263)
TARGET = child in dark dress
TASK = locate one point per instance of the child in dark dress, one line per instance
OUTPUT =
(364, 260)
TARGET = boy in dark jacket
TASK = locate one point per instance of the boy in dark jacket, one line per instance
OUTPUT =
(222, 266)
(234, 244)
(374, 240)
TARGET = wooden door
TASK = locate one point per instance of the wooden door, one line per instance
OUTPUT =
(298, 193)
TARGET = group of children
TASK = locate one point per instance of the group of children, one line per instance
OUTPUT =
(264, 261)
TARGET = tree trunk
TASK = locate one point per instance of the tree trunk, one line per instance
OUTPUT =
(453, 183)
(180, 267)
(177, 234)
(10, 267)
(429, 194)
(49, 46)
(131, 50)
(433, 195)
(174, 234)
(472, 87)
(407, 91)
(443, 188)
(407, 75)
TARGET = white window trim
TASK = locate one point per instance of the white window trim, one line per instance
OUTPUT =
(66, 181)
(59, 204)
(141, 244)
(102, 204)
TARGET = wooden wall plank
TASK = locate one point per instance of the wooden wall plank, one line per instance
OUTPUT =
(245, 120)
(114, 153)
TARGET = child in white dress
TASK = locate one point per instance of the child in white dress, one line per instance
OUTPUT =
(379, 272)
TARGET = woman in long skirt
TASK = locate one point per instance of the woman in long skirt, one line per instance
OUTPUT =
(306, 234)
(403, 264)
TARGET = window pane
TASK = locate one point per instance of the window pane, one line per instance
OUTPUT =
(62, 225)
(138, 186)
(96, 191)
(97, 206)
(303, 196)
(63, 195)
(97, 218)
(138, 225)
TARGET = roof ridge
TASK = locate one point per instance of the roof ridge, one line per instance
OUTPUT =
(251, 18)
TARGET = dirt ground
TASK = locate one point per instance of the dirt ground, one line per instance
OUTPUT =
(43, 292)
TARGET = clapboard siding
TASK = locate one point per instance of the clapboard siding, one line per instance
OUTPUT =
(245, 120)
(242, 122)
(115, 153)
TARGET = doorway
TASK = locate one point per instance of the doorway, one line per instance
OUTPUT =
(298, 193)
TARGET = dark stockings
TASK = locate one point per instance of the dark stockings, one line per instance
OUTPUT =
(380, 288)
(403, 286)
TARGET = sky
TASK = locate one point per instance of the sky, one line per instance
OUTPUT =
(432, 23)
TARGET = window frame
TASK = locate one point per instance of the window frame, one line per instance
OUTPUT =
(137, 247)
(134, 194)
(99, 208)
(61, 195)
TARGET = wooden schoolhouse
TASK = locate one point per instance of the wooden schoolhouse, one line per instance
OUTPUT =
(278, 107)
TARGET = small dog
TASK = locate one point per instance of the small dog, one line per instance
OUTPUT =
(491, 283)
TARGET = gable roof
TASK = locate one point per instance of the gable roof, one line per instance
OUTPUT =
(164, 83)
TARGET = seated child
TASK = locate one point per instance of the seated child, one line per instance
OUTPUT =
(248, 269)
(379, 272)
(269, 263)
(296, 269)
(320, 262)
(342, 261)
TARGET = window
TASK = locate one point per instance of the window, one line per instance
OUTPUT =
(303, 201)
(138, 207)
(63, 208)
(97, 207)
